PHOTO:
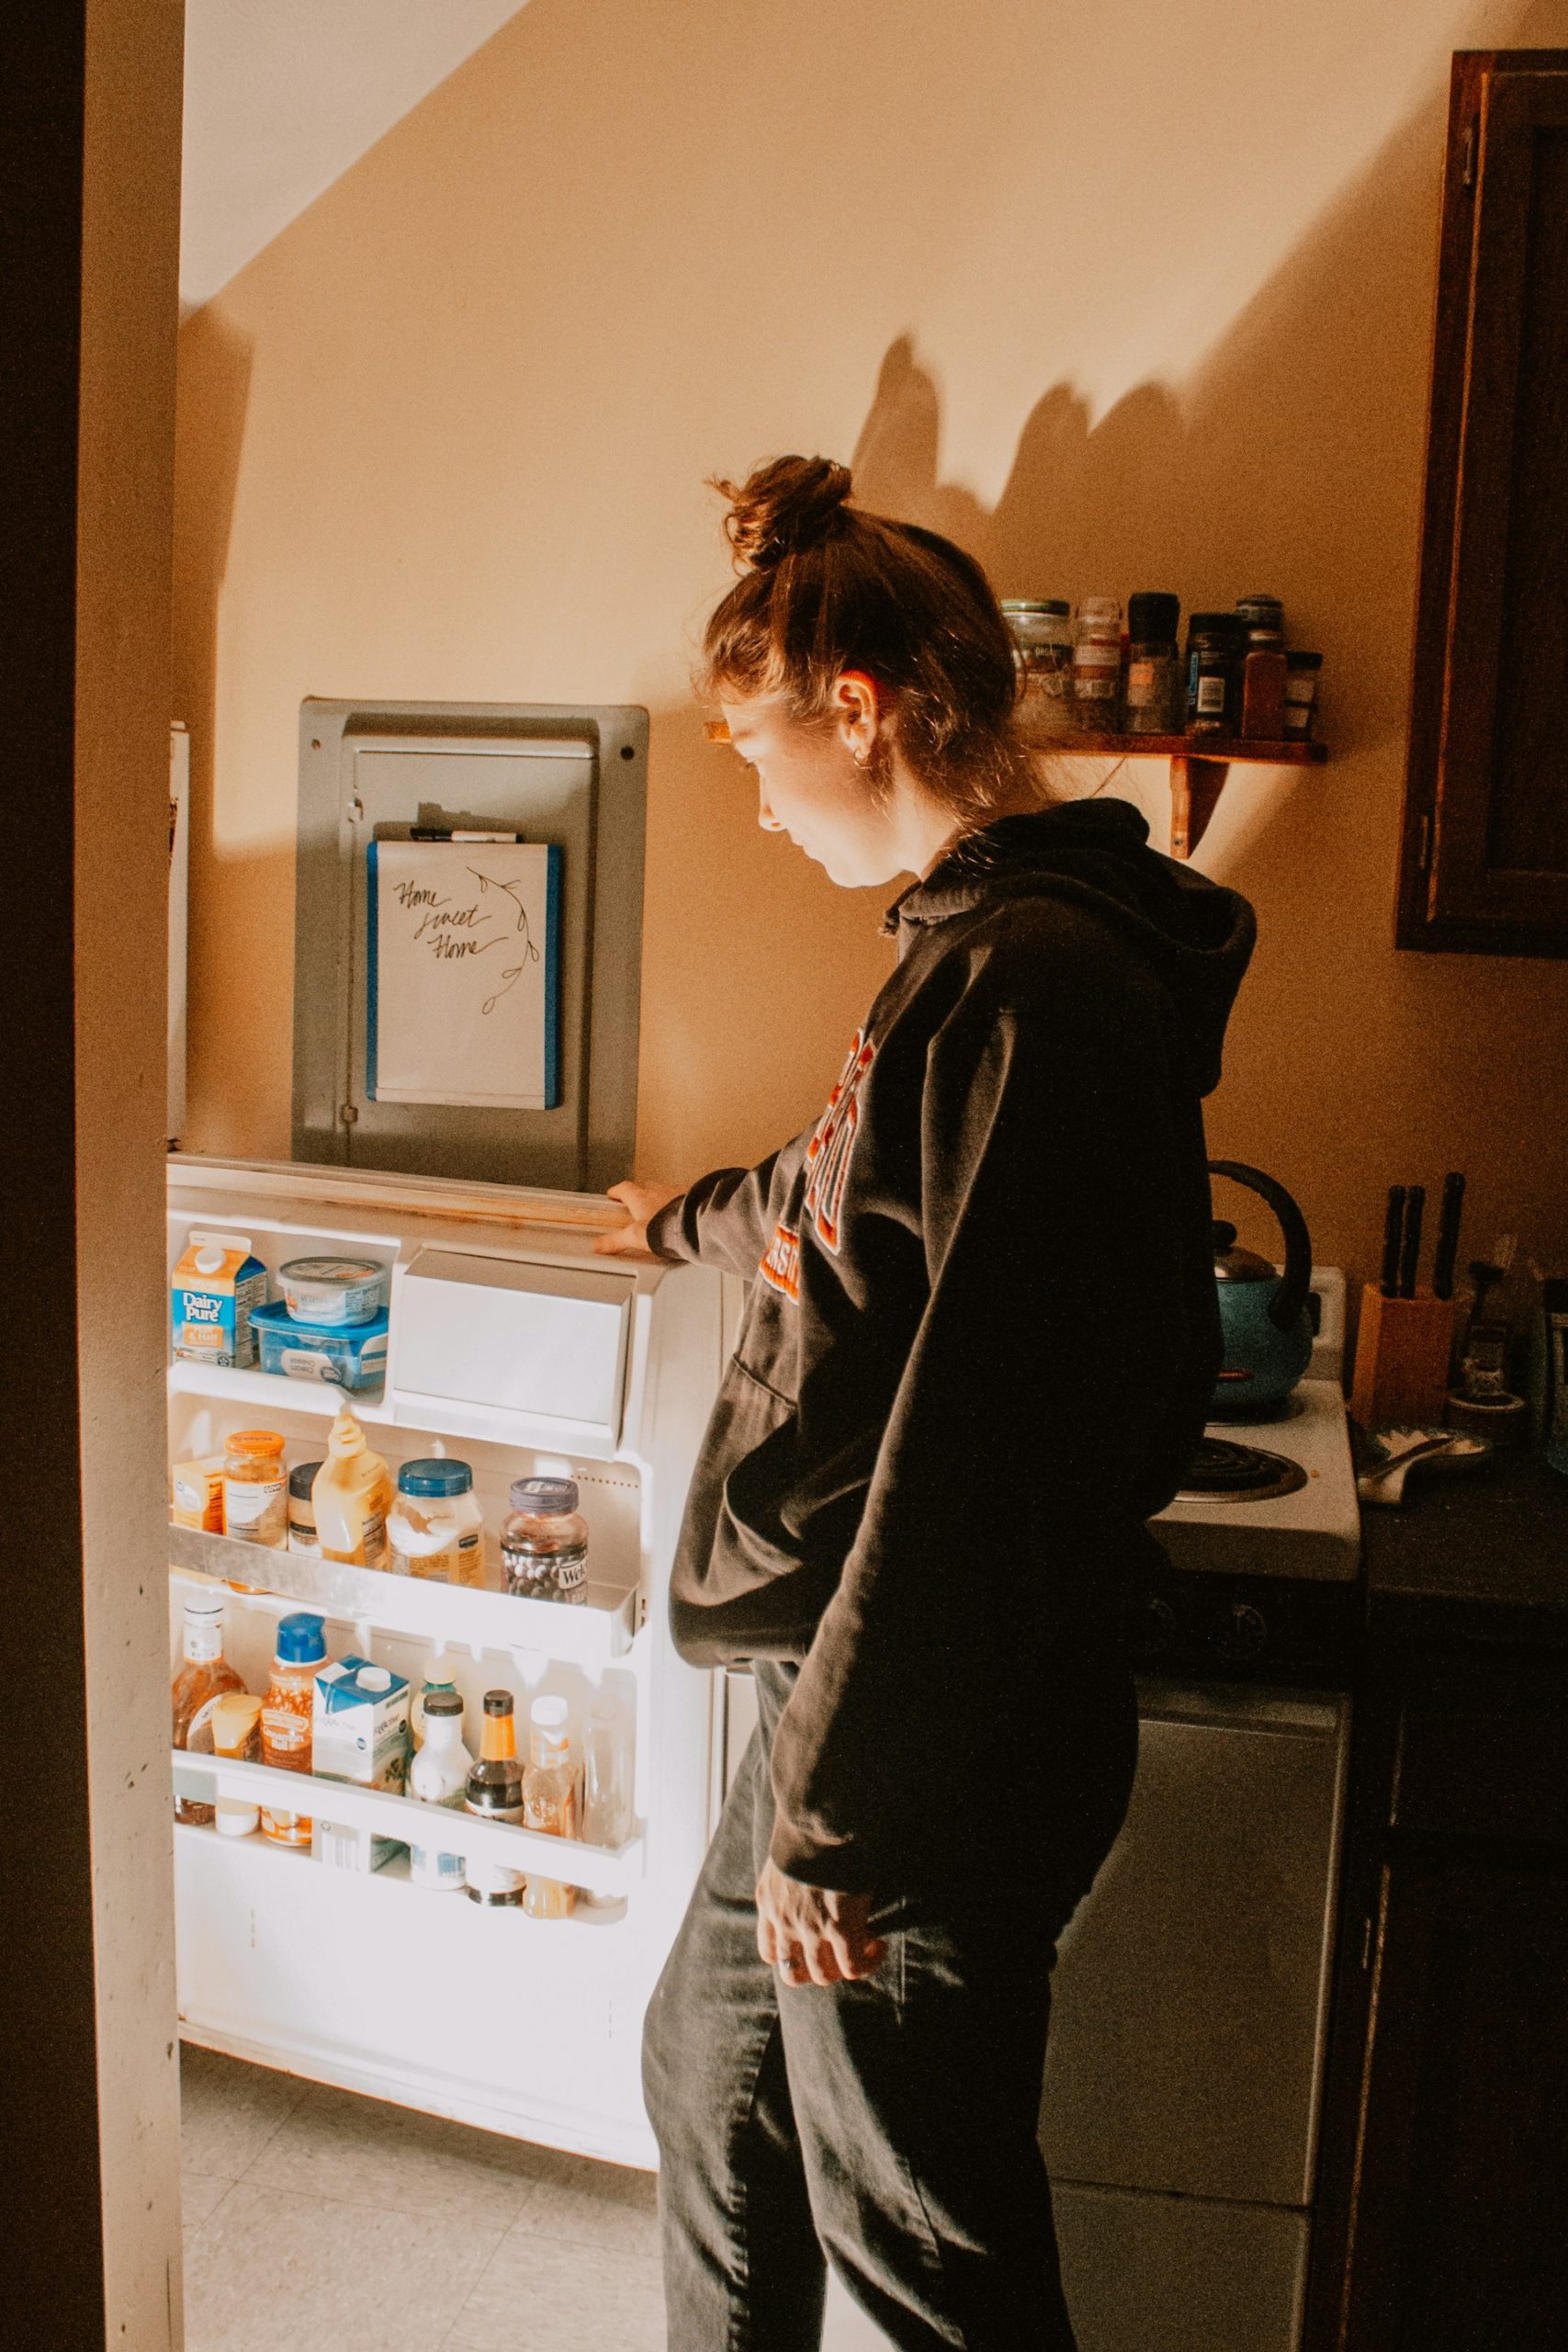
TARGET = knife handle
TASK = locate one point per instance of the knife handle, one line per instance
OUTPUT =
(1394, 1221)
(1414, 1203)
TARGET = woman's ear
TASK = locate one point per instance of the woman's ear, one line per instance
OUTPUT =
(857, 705)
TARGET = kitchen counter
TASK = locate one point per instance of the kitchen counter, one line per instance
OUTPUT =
(1483, 1554)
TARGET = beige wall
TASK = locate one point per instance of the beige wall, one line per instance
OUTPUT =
(1125, 297)
(129, 302)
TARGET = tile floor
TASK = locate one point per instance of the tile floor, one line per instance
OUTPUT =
(314, 2216)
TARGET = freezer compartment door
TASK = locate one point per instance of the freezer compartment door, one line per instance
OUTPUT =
(1189, 2002)
(531, 1353)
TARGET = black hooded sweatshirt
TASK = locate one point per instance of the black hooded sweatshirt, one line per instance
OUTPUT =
(981, 1340)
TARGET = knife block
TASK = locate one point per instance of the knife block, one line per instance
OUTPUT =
(1402, 1359)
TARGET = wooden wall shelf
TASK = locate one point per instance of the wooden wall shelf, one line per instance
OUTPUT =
(1199, 766)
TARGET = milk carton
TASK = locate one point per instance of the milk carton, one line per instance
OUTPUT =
(212, 1292)
(359, 1732)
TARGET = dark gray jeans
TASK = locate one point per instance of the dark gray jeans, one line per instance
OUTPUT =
(888, 2125)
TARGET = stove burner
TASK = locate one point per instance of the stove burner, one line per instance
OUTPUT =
(1221, 1471)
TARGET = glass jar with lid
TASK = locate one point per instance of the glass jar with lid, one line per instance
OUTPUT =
(544, 1541)
(1097, 664)
(1156, 703)
(1042, 634)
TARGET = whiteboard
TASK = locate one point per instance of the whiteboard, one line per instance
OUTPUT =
(463, 980)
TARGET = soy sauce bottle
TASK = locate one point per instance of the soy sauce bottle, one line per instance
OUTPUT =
(494, 1791)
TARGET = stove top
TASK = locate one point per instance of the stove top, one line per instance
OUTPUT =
(1281, 1499)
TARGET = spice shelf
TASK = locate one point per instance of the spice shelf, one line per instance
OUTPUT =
(601, 1870)
(589, 1633)
(1198, 767)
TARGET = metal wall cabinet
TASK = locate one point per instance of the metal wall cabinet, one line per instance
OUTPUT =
(577, 775)
(1484, 861)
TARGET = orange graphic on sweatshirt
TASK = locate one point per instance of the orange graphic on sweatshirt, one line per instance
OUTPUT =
(831, 1147)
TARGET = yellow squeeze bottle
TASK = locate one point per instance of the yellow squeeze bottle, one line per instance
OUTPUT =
(351, 1497)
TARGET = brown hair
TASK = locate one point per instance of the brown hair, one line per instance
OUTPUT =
(827, 588)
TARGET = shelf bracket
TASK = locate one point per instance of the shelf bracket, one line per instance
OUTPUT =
(1196, 785)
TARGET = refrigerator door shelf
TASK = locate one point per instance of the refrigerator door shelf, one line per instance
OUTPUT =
(274, 1392)
(601, 1869)
(589, 1633)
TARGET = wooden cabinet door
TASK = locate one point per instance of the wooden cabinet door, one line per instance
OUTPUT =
(1459, 2235)
(1484, 858)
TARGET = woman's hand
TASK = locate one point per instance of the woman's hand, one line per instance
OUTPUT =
(811, 1933)
(641, 1202)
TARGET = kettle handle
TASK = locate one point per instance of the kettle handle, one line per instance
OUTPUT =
(1290, 1297)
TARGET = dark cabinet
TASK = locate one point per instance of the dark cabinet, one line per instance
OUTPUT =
(1484, 846)
(1443, 2225)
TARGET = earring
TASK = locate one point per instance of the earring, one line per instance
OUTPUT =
(861, 758)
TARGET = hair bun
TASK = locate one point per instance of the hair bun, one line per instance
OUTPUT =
(785, 505)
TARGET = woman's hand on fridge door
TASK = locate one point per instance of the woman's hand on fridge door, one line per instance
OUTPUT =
(812, 1934)
(641, 1202)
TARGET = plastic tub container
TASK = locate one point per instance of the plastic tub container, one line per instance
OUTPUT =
(333, 1292)
(352, 1357)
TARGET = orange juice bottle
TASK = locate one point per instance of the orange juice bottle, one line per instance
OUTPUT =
(352, 1495)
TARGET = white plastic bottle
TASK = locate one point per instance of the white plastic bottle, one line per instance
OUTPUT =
(439, 1775)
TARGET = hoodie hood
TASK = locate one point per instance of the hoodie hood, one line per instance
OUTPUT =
(1197, 935)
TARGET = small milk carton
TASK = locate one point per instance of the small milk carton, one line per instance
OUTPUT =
(359, 1732)
(212, 1292)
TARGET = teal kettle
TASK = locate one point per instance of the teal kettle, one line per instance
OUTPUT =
(1264, 1315)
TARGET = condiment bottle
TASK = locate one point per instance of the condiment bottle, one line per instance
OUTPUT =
(494, 1790)
(1096, 663)
(439, 1775)
(352, 1495)
(286, 1716)
(255, 1488)
(1154, 665)
(236, 1730)
(1214, 644)
(437, 1528)
(544, 1541)
(549, 1802)
(438, 1676)
(302, 1535)
(204, 1677)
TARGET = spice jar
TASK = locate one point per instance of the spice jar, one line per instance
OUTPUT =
(302, 1535)
(1263, 618)
(1043, 655)
(1301, 691)
(1216, 642)
(1155, 694)
(1096, 663)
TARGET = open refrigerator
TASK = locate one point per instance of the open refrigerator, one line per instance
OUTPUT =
(513, 1347)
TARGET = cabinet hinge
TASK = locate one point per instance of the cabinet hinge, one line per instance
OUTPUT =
(348, 1113)
(1467, 172)
(1424, 846)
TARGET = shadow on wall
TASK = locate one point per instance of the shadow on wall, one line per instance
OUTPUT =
(1292, 463)
(228, 901)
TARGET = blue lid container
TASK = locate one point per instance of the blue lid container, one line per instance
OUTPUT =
(302, 1640)
(435, 1478)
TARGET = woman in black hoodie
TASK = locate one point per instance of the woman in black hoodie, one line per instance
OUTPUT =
(981, 1340)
